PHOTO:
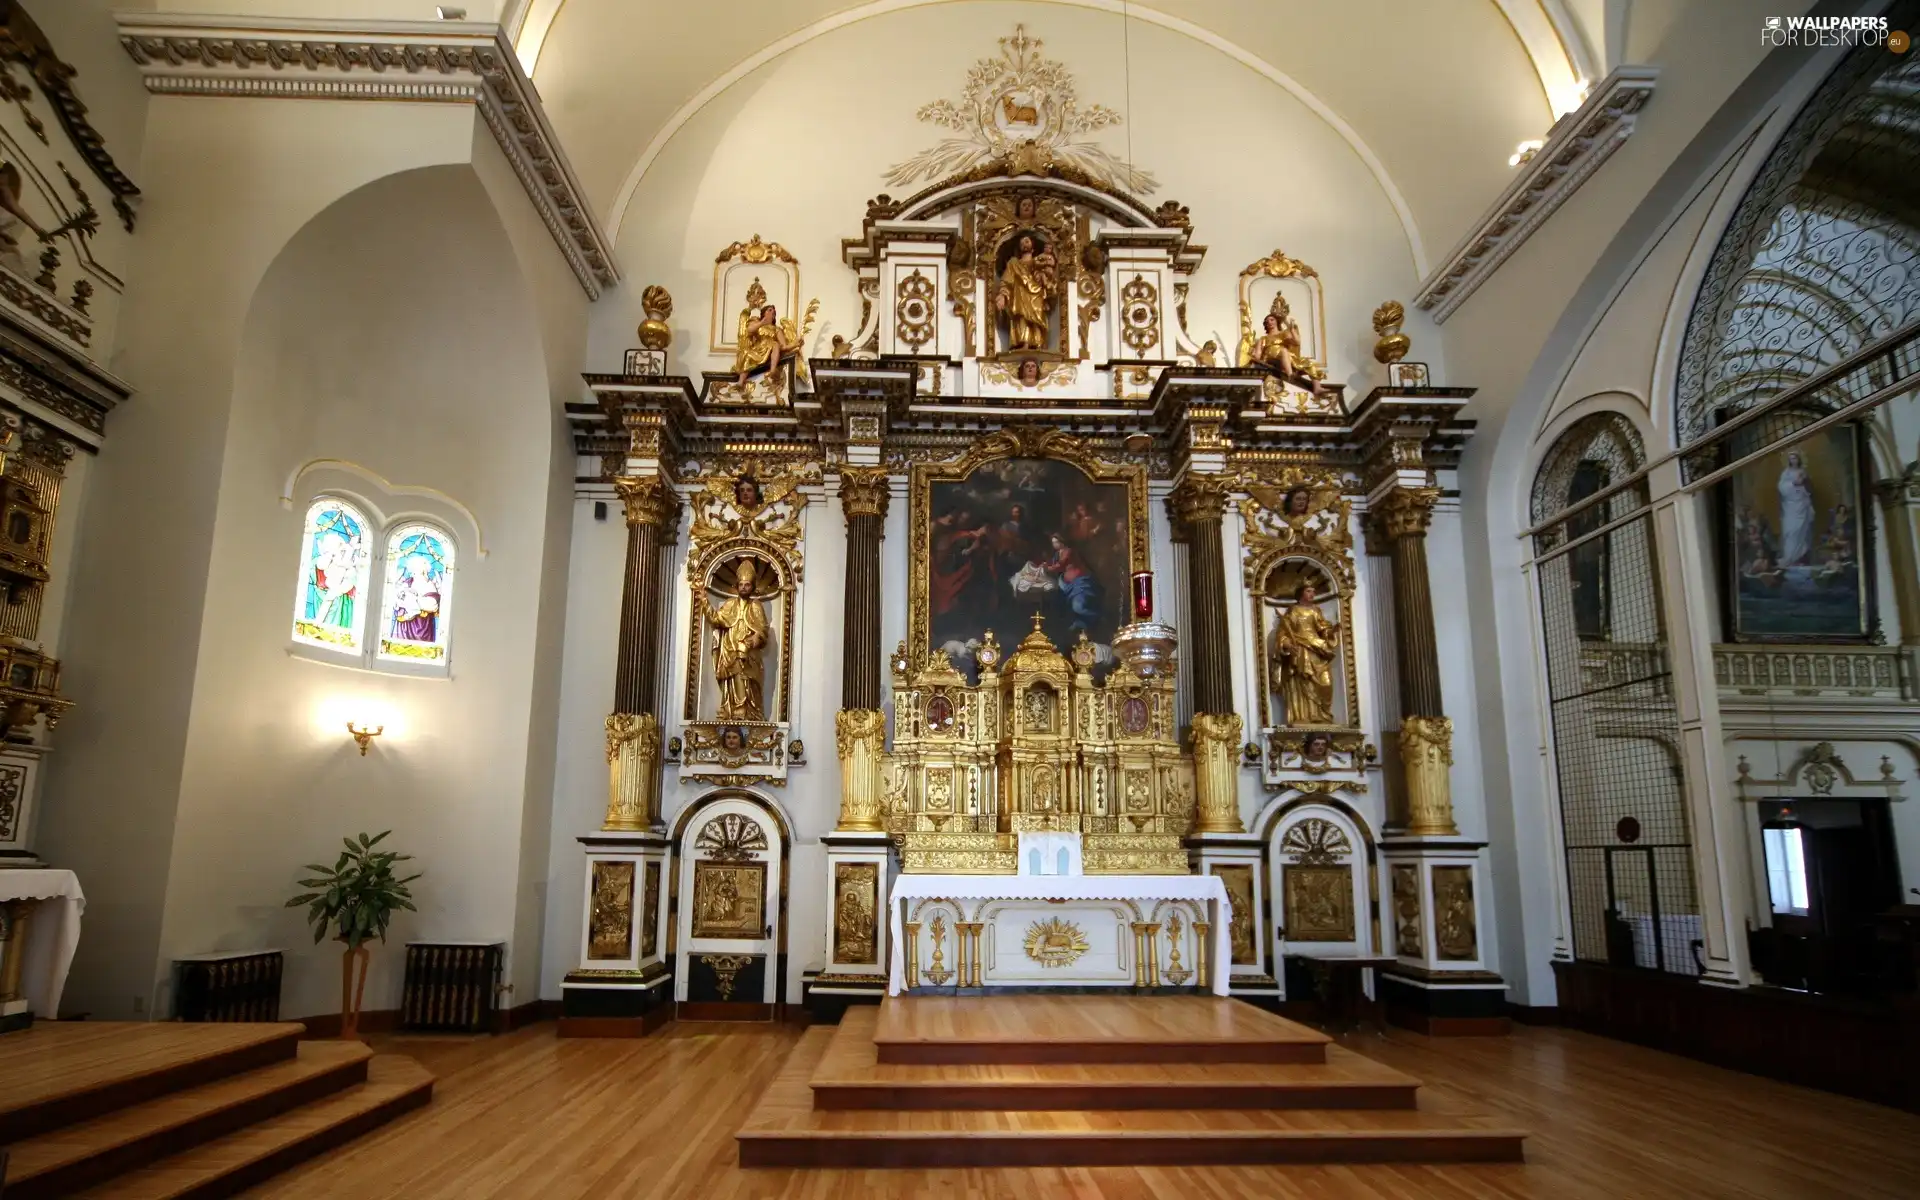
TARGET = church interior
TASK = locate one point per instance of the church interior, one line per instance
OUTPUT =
(1196, 598)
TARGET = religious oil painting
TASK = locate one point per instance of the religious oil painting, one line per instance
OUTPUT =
(1799, 563)
(1019, 537)
(729, 900)
(333, 576)
(419, 581)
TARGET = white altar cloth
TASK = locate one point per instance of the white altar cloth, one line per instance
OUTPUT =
(53, 931)
(1062, 887)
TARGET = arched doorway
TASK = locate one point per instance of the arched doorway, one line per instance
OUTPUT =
(730, 924)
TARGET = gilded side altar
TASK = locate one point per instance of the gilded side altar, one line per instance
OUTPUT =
(1038, 746)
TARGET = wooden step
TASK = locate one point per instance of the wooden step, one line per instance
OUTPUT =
(62, 1072)
(850, 1076)
(229, 1165)
(784, 1130)
(65, 1160)
(1089, 1029)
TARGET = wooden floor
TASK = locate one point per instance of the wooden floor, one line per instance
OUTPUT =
(531, 1115)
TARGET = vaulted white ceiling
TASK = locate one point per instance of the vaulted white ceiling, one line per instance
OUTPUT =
(1433, 95)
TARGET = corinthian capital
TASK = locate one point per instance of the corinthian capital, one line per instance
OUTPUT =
(1401, 512)
(1200, 497)
(863, 491)
(649, 499)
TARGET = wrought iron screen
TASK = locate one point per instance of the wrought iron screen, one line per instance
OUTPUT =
(1616, 730)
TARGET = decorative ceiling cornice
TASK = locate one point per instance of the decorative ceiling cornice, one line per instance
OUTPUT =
(1575, 148)
(447, 62)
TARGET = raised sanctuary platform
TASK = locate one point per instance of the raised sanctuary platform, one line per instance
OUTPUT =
(1094, 1080)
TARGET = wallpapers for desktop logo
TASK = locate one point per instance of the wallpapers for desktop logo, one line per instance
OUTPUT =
(1832, 31)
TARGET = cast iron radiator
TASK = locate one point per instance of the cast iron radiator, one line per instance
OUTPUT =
(228, 987)
(452, 986)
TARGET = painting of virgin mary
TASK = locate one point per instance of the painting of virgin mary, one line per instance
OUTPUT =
(1797, 568)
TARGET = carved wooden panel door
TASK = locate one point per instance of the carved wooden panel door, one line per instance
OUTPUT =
(730, 891)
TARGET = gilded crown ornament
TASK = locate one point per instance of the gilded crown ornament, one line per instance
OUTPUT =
(1393, 345)
(658, 304)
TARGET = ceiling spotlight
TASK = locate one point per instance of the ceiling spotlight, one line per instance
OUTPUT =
(1524, 151)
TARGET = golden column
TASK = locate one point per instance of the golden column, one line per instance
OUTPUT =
(860, 727)
(1400, 518)
(633, 728)
(1198, 503)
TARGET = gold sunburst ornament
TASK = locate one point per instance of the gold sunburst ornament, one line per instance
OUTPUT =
(1055, 942)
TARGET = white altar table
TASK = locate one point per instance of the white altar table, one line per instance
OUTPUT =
(52, 931)
(989, 931)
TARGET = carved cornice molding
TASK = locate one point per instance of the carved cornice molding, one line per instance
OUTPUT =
(1575, 148)
(445, 62)
(863, 491)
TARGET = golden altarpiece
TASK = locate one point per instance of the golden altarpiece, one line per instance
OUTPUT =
(1040, 782)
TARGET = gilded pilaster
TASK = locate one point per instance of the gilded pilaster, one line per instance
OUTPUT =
(1198, 504)
(633, 728)
(860, 727)
(1398, 521)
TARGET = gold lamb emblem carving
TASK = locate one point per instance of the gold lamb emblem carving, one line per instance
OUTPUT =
(1055, 942)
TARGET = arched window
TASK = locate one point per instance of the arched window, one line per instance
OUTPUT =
(329, 602)
(419, 589)
(389, 610)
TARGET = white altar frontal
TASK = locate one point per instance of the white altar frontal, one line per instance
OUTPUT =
(965, 933)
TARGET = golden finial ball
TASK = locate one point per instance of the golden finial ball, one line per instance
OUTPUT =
(1393, 345)
(654, 333)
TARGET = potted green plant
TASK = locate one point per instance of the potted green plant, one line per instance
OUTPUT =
(354, 900)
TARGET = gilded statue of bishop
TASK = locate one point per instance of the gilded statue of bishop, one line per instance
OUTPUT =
(739, 668)
(1304, 649)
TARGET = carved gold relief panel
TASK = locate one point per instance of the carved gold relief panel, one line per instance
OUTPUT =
(1454, 936)
(856, 892)
(610, 925)
(1319, 903)
(650, 905)
(1407, 938)
(729, 900)
(1238, 879)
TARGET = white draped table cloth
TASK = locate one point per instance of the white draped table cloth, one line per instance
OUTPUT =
(53, 931)
(1062, 887)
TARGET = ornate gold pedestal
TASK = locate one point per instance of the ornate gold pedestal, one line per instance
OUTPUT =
(633, 771)
(1216, 772)
(860, 737)
(1426, 754)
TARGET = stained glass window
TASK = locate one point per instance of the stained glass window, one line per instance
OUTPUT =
(335, 556)
(419, 584)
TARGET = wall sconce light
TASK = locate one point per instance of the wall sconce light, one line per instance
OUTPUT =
(364, 734)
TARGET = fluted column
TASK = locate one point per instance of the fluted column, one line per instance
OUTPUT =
(633, 728)
(1198, 505)
(859, 726)
(1400, 517)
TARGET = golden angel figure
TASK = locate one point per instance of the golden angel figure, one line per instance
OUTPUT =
(739, 650)
(764, 340)
(1278, 346)
(1026, 293)
(1304, 649)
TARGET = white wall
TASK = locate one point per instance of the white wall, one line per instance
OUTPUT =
(417, 330)
(1257, 168)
